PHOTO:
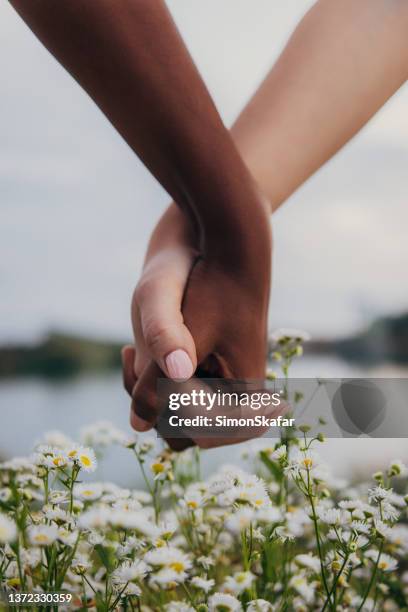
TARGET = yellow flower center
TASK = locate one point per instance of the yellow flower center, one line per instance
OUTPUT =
(307, 462)
(342, 581)
(158, 468)
(85, 460)
(192, 504)
(177, 566)
(41, 538)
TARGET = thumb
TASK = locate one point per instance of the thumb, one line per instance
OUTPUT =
(165, 336)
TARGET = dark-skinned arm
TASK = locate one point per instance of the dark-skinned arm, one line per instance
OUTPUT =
(130, 58)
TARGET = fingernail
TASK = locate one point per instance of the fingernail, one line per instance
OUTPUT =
(178, 365)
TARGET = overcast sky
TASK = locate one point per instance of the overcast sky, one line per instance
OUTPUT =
(76, 206)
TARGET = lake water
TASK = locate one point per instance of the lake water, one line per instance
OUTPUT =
(31, 406)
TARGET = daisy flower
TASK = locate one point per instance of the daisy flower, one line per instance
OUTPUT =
(56, 514)
(169, 558)
(306, 590)
(168, 578)
(96, 518)
(102, 434)
(223, 602)
(42, 535)
(379, 494)
(54, 460)
(80, 564)
(178, 606)
(350, 504)
(240, 520)
(389, 512)
(130, 571)
(331, 516)
(69, 538)
(137, 520)
(18, 464)
(360, 527)
(238, 583)
(259, 605)
(8, 531)
(5, 494)
(308, 561)
(382, 529)
(161, 469)
(58, 497)
(130, 589)
(88, 491)
(204, 584)
(283, 534)
(84, 457)
(206, 562)
(386, 562)
(57, 439)
(146, 444)
(280, 452)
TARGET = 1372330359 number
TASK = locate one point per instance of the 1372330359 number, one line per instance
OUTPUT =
(32, 599)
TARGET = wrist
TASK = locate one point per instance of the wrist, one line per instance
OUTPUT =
(239, 236)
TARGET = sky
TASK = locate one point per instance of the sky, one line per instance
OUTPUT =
(77, 207)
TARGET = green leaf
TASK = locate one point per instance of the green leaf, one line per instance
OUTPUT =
(106, 556)
(273, 467)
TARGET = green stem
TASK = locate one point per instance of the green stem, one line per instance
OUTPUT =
(75, 472)
(333, 589)
(190, 598)
(316, 530)
(119, 597)
(370, 584)
(152, 491)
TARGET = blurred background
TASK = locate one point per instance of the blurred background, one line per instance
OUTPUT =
(77, 209)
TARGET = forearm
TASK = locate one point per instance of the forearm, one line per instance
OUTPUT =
(342, 63)
(131, 60)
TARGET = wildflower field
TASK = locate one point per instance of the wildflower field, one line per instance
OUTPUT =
(280, 534)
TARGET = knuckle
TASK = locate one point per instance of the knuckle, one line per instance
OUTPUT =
(142, 290)
(144, 405)
(156, 334)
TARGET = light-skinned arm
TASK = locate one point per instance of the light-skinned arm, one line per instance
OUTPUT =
(341, 64)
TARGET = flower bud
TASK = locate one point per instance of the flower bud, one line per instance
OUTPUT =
(271, 375)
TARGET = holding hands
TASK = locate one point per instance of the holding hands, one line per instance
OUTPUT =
(202, 301)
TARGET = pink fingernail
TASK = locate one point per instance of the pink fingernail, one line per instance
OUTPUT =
(179, 365)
